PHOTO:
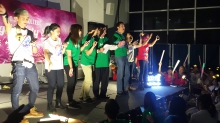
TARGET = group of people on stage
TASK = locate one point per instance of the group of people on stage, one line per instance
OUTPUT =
(59, 57)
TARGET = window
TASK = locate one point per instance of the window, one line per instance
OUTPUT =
(207, 18)
(135, 5)
(181, 37)
(162, 34)
(135, 21)
(154, 4)
(207, 36)
(176, 4)
(181, 19)
(135, 35)
(212, 56)
(205, 3)
(155, 20)
(195, 52)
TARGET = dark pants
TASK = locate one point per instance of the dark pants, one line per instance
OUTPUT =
(123, 73)
(101, 75)
(143, 72)
(19, 74)
(55, 78)
(131, 68)
(71, 82)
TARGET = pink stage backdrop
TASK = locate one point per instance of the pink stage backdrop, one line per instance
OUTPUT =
(40, 17)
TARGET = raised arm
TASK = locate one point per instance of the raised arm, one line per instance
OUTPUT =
(88, 52)
(146, 42)
(4, 15)
(157, 38)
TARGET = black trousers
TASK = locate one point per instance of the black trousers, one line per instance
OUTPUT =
(101, 75)
(71, 82)
(143, 71)
(55, 78)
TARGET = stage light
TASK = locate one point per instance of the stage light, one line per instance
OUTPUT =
(154, 80)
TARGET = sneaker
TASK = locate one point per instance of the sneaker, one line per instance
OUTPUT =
(74, 101)
(89, 100)
(24, 121)
(74, 106)
(81, 99)
(34, 114)
(132, 88)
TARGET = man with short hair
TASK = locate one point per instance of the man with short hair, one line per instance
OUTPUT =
(21, 44)
(121, 59)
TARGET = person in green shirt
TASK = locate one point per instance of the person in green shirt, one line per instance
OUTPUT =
(87, 61)
(102, 65)
(121, 59)
(70, 60)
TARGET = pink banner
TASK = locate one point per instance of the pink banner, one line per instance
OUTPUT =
(40, 17)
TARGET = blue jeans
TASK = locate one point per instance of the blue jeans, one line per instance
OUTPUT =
(123, 73)
(19, 74)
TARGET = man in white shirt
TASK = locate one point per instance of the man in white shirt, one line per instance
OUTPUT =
(22, 46)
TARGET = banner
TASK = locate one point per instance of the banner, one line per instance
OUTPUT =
(39, 18)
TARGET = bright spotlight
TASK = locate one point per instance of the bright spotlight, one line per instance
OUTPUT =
(154, 80)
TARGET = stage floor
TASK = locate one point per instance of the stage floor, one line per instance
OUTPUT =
(90, 113)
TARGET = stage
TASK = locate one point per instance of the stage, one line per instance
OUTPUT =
(90, 113)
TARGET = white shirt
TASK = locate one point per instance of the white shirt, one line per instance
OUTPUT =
(56, 57)
(130, 53)
(22, 49)
(203, 116)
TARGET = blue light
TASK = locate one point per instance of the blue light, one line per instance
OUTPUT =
(154, 80)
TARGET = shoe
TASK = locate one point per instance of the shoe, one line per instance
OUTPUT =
(140, 87)
(34, 114)
(74, 101)
(120, 94)
(125, 92)
(89, 100)
(74, 106)
(59, 104)
(132, 88)
(104, 97)
(24, 120)
(81, 99)
(51, 108)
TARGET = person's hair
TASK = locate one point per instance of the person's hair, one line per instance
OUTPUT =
(112, 109)
(206, 104)
(52, 27)
(101, 27)
(92, 26)
(118, 24)
(74, 33)
(19, 12)
(144, 37)
(177, 107)
(150, 101)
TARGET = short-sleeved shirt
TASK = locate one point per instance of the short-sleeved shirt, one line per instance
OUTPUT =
(143, 52)
(75, 52)
(20, 49)
(56, 56)
(102, 59)
(121, 51)
(88, 60)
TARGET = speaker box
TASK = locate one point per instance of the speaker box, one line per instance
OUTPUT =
(110, 8)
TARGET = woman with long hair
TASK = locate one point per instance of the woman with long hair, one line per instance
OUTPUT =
(71, 58)
(151, 109)
(207, 113)
(53, 52)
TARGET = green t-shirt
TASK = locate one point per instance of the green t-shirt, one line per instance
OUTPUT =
(85, 59)
(75, 52)
(121, 51)
(102, 59)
